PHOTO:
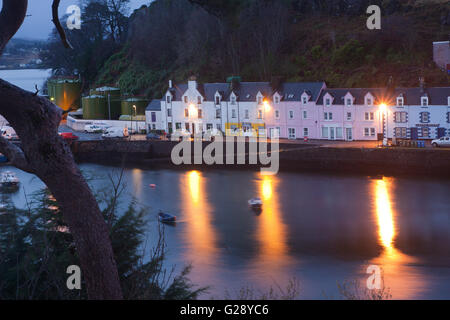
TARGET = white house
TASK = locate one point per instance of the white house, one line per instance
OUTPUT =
(153, 116)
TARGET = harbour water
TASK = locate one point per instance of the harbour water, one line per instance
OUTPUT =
(320, 229)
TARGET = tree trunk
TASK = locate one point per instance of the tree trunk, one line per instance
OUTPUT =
(45, 154)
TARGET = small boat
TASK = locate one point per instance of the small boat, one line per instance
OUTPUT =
(9, 180)
(166, 218)
(255, 203)
(152, 185)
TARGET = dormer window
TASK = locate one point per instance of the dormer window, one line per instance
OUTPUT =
(277, 99)
(328, 102)
(348, 102)
(199, 100)
(233, 100)
(259, 100)
(304, 100)
(169, 99)
(185, 99)
(400, 101)
(217, 100)
(369, 102)
(424, 101)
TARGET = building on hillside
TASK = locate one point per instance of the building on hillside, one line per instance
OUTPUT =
(240, 108)
(419, 113)
(441, 54)
(153, 116)
(350, 113)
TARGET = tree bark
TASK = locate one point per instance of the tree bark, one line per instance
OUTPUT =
(44, 153)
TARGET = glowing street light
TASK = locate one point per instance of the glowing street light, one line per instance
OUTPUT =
(383, 111)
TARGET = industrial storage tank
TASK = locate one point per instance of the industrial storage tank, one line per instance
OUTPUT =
(112, 96)
(65, 92)
(128, 109)
(94, 107)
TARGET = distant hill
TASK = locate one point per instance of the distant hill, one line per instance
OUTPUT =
(22, 53)
(299, 40)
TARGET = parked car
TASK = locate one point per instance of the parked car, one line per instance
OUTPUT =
(153, 136)
(95, 128)
(115, 132)
(441, 142)
(68, 136)
(9, 133)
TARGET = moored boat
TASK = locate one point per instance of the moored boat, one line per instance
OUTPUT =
(9, 181)
(166, 218)
(255, 203)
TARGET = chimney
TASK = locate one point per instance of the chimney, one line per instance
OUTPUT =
(422, 84)
(170, 84)
(192, 83)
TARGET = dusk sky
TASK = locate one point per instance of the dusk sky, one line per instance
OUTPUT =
(39, 24)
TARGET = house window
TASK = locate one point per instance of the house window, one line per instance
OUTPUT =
(349, 116)
(400, 101)
(277, 99)
(219, 127)
(366, 132)
(328, 102)
(448, 101)
(233, 100)
(178, 126)
(328, 116)
(448, 117)
(259, 114)
(185, 99)
(259, 100)
(291, 114)
(200, 113)
(217, 100)
(400, 132)
(305, 114)
(246, 113)
(304, 100)
(305, 132)
(425, 132)
(338, 133)
(349, 102)
(154, 126)
(169, 112)
(277, 114)
(168, 99)
(233, 113)
(369, 116)
(186, 126)
(424, 117)
(325, 132)
(186, 113)
(199, 100)
(291, 133)
(372, 132)
(153, 114)
(209, 126)
(424, 101)
(400, 117)
(169, 127)
(218, 114)
(369, 102)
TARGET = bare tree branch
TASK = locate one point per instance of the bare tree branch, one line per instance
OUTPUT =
(11, 18)
(57, 23)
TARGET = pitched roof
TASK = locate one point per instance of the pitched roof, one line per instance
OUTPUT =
(358, 93)
(436, 95)
(247, 91)
(154, 105)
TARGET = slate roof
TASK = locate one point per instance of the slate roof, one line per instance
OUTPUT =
(358, 93)
(154, 105)
(436, 95)
(247, 91)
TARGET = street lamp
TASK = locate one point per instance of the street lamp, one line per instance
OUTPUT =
(266, 108)
(135, 114)
(383, 111)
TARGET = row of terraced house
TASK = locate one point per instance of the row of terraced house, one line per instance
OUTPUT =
(298, 110)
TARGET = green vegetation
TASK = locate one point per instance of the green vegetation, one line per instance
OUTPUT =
(298, 40)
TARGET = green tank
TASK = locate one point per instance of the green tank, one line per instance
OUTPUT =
(113, 101)
(128, 106)
(94, 107)
(65, 92)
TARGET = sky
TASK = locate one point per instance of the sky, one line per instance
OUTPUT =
(39, 24)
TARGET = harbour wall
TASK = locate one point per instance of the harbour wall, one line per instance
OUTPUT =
(292, 157)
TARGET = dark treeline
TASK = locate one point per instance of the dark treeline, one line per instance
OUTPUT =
(299, 40)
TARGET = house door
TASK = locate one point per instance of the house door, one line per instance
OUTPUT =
(414, 134)
(291, 132)
(193, 128)
(332, 133)
(348, 134)
(440, 132)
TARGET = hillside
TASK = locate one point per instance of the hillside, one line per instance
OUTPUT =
(296, 39)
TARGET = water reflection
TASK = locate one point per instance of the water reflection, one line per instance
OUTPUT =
(405, 282)
(271, 231)
(200, 234)
(137, 181)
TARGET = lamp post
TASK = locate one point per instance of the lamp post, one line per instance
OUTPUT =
(383, 111)
(135, 114)
(266, 108)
